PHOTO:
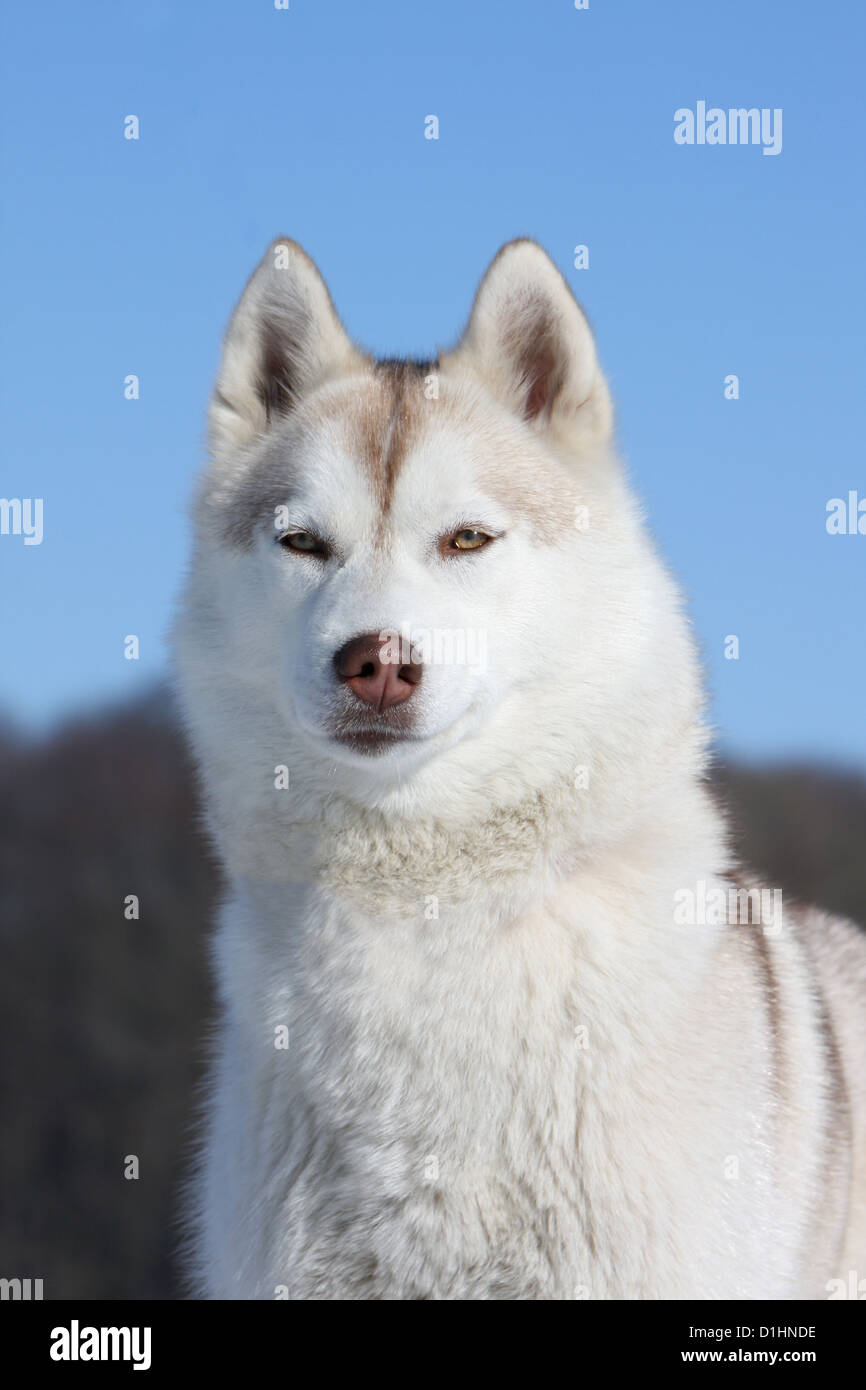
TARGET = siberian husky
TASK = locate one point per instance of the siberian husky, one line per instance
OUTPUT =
(489, 1026)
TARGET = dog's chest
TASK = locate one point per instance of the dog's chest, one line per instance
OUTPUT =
(449, 1064)
(473, 1108)
(421, 1026)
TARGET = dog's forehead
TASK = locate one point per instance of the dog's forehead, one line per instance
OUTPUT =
(399, 444)
(383, 422)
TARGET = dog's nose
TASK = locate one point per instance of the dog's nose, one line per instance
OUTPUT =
(380, 683)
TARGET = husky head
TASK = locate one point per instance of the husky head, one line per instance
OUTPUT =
(419, 585)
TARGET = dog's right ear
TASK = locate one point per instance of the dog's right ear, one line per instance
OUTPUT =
(283, 340)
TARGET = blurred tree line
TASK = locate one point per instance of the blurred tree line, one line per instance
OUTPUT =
(104, 1019)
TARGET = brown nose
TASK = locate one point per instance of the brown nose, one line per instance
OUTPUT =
(378, 683)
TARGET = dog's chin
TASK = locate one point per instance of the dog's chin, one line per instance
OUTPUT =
(377, 742)
(389, 746)
(382, 749)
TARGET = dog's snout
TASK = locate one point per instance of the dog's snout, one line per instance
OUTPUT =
(365, 665)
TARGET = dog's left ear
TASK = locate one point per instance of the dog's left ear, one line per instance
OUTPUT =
(528, 340)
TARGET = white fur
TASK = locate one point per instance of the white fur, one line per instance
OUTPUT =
(538, 1092)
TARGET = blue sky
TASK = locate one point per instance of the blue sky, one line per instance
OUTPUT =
(126, 257)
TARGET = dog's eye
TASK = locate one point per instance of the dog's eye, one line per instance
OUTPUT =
(304, 542)
(468, 539)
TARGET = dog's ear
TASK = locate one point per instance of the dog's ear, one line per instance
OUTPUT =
(283, 339)
(528, 340)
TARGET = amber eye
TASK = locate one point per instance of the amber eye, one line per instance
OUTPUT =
(304, 542)
(469, 540)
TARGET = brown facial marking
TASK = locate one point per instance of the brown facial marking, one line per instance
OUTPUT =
(390, 419)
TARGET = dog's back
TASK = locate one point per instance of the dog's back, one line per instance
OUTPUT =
(836, 950)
